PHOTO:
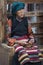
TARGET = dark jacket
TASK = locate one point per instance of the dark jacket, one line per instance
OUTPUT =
(19, 28)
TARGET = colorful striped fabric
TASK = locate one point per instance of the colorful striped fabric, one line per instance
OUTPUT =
(22, 54)
(27, 54)
(33, 53)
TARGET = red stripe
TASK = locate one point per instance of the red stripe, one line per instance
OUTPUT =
(18, 49)
(32, 48)
(34, 59)
(32, 52)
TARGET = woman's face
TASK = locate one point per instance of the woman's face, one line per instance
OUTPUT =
(20, 13)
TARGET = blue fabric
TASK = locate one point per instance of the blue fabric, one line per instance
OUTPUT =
(17, 6)
(15, 59)
(16, 37)
(37, 63)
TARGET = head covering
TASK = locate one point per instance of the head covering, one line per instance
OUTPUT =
(16, 6)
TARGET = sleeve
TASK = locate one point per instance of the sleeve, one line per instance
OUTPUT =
(9, 24)
(30, 33)
(29, 27)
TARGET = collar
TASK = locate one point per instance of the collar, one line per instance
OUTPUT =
(19, 19)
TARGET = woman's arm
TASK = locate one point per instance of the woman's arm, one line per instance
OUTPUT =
(30, 34)
(9, 24)
(9, 39)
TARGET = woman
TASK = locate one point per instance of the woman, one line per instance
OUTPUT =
(21, 36)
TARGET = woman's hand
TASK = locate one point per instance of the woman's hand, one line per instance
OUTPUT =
(11, 41)
(29, 44)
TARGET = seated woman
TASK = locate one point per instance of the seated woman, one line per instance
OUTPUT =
(21, 36)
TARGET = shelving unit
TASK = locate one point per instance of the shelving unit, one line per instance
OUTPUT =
(34, 11)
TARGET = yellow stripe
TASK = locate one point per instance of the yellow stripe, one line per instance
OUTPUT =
(24, 60)
(40, 54)
(22, 56)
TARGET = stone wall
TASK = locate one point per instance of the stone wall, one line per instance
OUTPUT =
(2, 19)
